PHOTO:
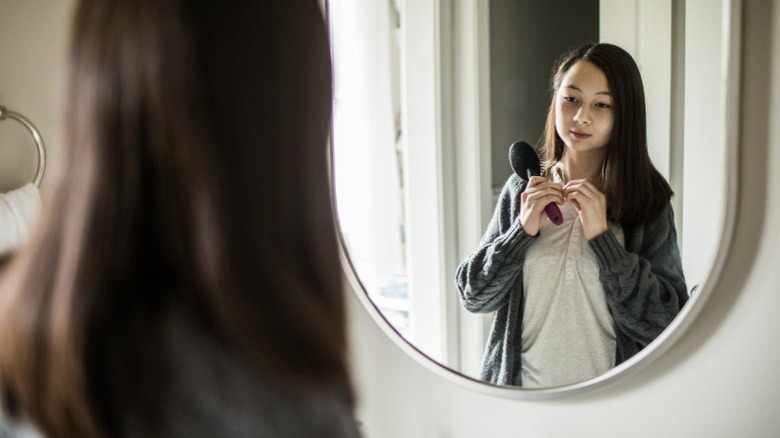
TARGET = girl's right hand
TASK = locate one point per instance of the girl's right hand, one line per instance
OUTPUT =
(536, 196)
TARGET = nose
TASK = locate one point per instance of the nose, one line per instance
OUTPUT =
(582, 115)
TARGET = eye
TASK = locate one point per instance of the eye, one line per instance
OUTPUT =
(569, 99)
(603, 105)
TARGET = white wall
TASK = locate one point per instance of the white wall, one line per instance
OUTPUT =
(644, 29)
(719, 379)
(702, 145)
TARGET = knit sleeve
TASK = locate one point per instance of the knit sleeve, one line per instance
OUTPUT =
(644, 284)
(485, 277)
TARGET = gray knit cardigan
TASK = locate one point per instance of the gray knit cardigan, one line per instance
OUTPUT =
(643, 283)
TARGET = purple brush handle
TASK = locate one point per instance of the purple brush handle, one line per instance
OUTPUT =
(554, 213)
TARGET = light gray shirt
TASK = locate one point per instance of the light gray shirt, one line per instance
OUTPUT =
(568, 334)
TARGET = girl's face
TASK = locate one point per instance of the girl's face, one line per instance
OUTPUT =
(584, 113)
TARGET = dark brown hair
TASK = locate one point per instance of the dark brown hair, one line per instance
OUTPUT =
(193, 176)
(635, 190)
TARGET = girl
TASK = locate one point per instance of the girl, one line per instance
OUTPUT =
(184, 279)
(574, 300)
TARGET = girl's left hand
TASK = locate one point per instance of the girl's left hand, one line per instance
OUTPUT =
(591, 205)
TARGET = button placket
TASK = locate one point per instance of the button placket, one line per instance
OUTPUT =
(570, 250)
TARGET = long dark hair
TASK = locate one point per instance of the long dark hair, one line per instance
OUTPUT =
(193, 176)
(635, 190)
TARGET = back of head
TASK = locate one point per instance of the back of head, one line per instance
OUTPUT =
(194, 176)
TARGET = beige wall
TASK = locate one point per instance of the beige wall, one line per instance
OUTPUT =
(33, 36)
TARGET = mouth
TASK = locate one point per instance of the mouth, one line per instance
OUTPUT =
(579, 135)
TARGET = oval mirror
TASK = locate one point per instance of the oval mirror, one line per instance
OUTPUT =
(428, 96)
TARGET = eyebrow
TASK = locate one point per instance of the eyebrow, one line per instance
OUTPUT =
(574, 87)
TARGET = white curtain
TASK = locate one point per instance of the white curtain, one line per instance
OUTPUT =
(369, 193)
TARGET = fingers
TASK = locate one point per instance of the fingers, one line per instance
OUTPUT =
(591, 204)
(536, 180)
(544, 196)
(536, 196)
(584, 188)
(539, 187)
(581, 191)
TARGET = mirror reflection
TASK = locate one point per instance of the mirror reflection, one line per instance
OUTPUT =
(580, 263)
(416, 197)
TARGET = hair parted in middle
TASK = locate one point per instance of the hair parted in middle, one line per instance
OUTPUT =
(635, 190)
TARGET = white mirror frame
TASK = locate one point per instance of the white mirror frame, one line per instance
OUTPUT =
(731, 49)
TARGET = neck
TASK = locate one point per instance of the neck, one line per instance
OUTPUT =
(582, 166)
